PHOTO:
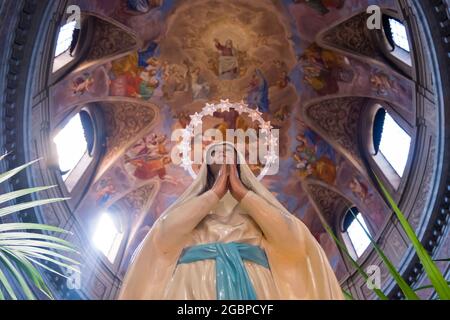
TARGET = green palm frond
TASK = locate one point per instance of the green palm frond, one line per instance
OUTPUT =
(347, 295)
(20, 193)
(429, 286)
(11, 173)
(27, 205)
(355, 264)
(402, 284)
(434, 274)
(30, 226)
(25, 247)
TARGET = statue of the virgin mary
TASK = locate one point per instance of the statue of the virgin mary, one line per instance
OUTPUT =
(227, 237)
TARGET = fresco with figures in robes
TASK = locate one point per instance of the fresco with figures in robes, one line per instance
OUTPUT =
(263, 53)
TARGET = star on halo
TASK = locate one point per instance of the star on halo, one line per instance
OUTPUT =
(196, 119)
(209, 109)
(255, 115)
(266, 127)
(224, 105)
(240, 107)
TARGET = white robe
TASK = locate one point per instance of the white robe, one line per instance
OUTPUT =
(299, 268)
(197, 280)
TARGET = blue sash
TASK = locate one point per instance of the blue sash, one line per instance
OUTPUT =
(232, 280)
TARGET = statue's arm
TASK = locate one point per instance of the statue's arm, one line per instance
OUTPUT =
(278, 228)
(178, 223)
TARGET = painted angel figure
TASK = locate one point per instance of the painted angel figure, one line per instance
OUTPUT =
(228, 237)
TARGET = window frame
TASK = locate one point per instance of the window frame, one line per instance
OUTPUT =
(377, 162)
(55, 55)
(81, 50)
(116, 242)
(400, 58)
(398, 52)
(346, 237)
(75, 190)
(119, 216)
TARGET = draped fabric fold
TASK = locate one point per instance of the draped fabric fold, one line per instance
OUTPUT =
(232, 280)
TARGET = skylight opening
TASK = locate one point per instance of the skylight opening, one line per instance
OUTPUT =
(395, 144)
(357, 235)
(71, 145)
(64, 38)
(107, 237)
(399, 34)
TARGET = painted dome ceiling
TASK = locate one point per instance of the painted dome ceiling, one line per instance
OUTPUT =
(309, 66)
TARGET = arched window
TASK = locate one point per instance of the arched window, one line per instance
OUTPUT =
(74, 147)
(66, 43)
(354, 232)
(107, 236)
(397, 34)
(391, 141)
(397, 40)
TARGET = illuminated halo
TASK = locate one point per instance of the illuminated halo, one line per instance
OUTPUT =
(225, 105)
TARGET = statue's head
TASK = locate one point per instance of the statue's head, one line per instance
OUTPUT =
(216, 156)
(229, 43)
(219, 154)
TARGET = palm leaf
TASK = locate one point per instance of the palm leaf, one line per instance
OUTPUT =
(18, 276)
(30, 226)
(21, 251)
(355, 264)
(347, 295)
(11, 173)
(32, 273)
(434, 274)
(36, 243)
(20, 193)
(30, 235)
(4, 156)
(23, 206)
(4, 281)
(403, 285)
(28, 249)
(56, 262)
(429, 286)
(36, 262)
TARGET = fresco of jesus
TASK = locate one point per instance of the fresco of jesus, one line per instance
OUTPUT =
(228, 61)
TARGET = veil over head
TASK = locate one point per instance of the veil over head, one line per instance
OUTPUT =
(304, 273)
(246, 174)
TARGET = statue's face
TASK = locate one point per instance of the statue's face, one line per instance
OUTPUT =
(219, 155)
(229, 44)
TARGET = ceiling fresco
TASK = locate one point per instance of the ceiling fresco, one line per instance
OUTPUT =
(284, 58)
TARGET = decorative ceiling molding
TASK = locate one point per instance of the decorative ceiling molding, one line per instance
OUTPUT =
(138, 201)
(337, 119)
(135, 206)
(125, 122)
(109, 40)
(352, 35)
(325, 199)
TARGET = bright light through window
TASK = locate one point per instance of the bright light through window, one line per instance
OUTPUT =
(399, 34)
(64, 38)
(71, 145)
(357, 235)
(395, 143)
(106, 237)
